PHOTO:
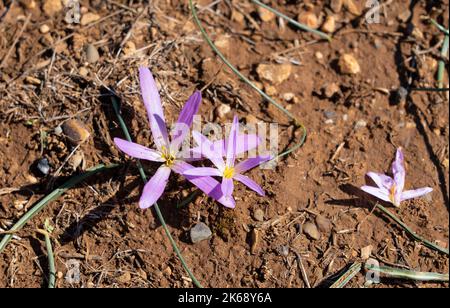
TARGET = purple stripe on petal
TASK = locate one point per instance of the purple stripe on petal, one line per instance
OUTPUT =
(251, 163)
(152, 102)
(382, 180)
(410, 194)
(207, 149)
(154, 188)
(231, 146)
(185, 120)
(137, 151)
(227, 187)
(250, 183)
(377, 192)
(208, 185)
(203, 171)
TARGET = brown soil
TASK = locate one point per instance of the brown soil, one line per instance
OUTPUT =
(99, 222)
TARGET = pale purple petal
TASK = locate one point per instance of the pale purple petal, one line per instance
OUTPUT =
(251, 163)
(152, 102)
(185, 120)
(227, 187)
(154, 188)
(249, 183)
(137, 151)
(410, 194)
(208, 185)
(380, 193)
(231, 148)
(244, 143)
(382, 180)
(203, 171)
(208, 150)
(398, 170)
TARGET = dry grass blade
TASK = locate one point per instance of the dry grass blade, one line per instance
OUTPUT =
(397, 273)
(347, 276)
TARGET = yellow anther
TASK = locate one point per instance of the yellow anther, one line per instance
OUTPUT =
(167, 156)
(228, 173)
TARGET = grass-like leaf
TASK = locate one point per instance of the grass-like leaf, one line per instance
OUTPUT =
(344, 279)
(397, 273)
(49, 198)
(410, 232)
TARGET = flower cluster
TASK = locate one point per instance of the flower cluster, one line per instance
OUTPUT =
(168, 151)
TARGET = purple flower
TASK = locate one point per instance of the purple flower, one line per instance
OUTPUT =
(391, 189)
(168, 152)
(227, 169)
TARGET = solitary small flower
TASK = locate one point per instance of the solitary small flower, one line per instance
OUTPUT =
(227, 169)
(391, 189)
(168, 152)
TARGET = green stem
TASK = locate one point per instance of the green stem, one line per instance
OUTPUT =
(410, 232)
(251, 84)
(434, 22)
(292, 21)
(393, 272)
(51, 261)
(158, 211)
(50, 197)
(441, 69)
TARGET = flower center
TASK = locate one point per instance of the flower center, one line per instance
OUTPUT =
(169, 157)
(228, 173)
(392, 193)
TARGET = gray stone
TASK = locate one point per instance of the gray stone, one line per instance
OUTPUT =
(200, 232)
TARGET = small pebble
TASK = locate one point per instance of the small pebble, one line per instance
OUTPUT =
(330, 89)
(284, 251)
(89, 18)
(318, 55)
(200, 232)
(351, 6)
(274, 73)
(75, 131)
(349, 65)
(323, 224)
(83, 71)
(329, 114)
(44, 29)
(124, 278)
(222, 110)
(329, 25)
(309, 19)
(258, 215)
(58, 130)
(366, 252)
(360, 124)
(310, 229)
(43, 166)
(336, 5)
(92, 54)
(401, 95)
(265, 14)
